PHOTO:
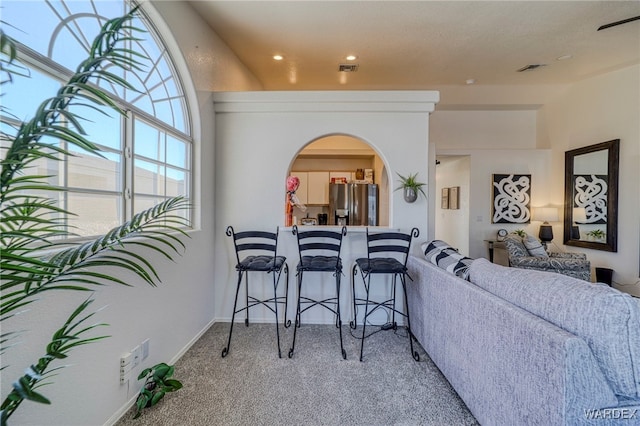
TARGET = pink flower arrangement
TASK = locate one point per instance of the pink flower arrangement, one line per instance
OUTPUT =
(292, 183)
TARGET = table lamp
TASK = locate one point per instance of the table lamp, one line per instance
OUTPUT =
(579, 215)
(545, 215)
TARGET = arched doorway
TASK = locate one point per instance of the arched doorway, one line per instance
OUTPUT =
(331, 159)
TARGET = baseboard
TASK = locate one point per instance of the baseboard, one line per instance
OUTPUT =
(125, 408)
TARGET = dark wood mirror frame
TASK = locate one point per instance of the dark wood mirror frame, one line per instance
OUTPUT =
(613, 154)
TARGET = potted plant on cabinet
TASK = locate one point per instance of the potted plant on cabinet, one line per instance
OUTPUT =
(411, 187)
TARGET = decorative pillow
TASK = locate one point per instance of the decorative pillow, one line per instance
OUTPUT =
(446, 257)
(434, 245)
(534, 247)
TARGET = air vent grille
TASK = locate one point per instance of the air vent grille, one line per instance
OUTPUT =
(348, 67)
(531, 67)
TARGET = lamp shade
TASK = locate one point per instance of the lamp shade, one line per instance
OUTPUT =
(545, 214)
(579, 215)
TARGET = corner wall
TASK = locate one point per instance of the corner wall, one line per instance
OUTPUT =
(452, 225)
(257, 136)
(595, 110)
(173, 316)
(495, 141)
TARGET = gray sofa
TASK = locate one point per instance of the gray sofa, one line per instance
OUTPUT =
(525, 347)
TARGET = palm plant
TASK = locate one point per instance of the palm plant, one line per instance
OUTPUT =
(33, 260)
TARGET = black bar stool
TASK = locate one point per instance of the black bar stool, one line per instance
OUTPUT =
(387, 254)
(260, 251)
(319, 252)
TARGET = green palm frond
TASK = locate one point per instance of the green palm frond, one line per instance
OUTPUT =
(53, 119)
(69, 336)
(32, 260)
(75, 267)
(8, 64)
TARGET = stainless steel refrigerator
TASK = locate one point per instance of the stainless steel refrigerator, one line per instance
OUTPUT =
(354, 204)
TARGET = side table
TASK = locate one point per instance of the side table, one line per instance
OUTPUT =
(493, 244)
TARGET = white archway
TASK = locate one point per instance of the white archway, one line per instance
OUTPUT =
(341, 155)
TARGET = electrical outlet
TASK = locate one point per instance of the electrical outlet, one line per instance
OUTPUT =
(126, 364)
(137, 355)
(124, 378)
(126, 359)
(145, 349)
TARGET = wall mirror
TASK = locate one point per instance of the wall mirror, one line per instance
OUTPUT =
(591, 196)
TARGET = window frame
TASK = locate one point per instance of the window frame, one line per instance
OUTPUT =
(125, 193)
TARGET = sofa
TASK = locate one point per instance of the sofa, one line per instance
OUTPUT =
(527, 347)
(528, 253)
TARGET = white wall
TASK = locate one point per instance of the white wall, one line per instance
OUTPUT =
(258, 135)
(485, 163)
(484, 129)
(592, 111)
(495, 141)
(534, 139)
(452, 225)
(172, 315)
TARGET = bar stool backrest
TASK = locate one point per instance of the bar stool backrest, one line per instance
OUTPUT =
(255, 243)
(319, 242)
(386, 244)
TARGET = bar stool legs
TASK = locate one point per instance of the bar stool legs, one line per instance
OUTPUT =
(386, 256)
(225, 351)
(251, 301)
(259, 254)
(388, 304)
(323, 303)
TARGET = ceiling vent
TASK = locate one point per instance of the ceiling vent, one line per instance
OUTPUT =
(348, 67)
(531, 67)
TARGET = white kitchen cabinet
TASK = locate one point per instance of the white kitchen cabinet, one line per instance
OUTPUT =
(302, 191)
(318, 188)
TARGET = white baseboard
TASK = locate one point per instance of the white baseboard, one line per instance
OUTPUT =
(123, 410)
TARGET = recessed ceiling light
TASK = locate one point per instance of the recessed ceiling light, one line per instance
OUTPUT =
(278, 57)
(471, 81)
(564, 57)
(351, 58)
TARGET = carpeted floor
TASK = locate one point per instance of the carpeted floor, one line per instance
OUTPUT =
(252, 386)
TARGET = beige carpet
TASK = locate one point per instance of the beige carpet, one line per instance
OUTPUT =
(252, 386)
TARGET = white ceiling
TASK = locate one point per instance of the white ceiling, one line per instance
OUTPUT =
(418, 45)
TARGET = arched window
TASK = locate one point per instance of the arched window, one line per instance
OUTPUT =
(147, 154)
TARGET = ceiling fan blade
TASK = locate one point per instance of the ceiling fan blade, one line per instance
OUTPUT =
(613, 24)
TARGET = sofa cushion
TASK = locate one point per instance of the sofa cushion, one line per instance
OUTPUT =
(515, 246)
(534, 246)
(607, 319)
(446, 257)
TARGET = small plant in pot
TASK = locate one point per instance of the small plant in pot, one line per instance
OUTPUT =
(157, 383)
(411, 187)
(596, 234)
(520, 232)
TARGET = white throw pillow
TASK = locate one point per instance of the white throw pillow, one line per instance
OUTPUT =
(534, 246)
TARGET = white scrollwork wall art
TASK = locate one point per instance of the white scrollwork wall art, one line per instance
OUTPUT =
(590, 193)
(511, 198)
